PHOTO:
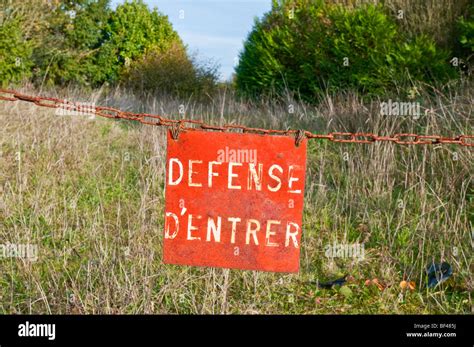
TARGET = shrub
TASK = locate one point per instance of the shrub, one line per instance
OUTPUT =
(15, 53)
(84, 42)
(132, 29)
(170, 72)
(308, 47)
(434, 18)
(87, 43)
(21, 22)
(419, 59)
(466, 32)
(73, 34)
(365, 37)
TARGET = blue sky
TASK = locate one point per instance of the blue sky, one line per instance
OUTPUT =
(214, 29)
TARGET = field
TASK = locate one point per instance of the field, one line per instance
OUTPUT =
(89, 194)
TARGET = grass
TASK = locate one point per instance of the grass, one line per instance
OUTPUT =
(89, 193)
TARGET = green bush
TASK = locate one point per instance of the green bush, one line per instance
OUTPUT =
(73, 34)
(18, 29)
(171, 72)
(131, 30)
(15, 53)
(419, 59)
(89, 44)
(435, 18)
(466, 32)
(309, 47)
(366, 38)
(86, 43)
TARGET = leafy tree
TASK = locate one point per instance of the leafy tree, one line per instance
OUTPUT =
(171, 72)
(21, 23)
(308, 47)
(74, 33)
(85, 42)
(131, 31)
(465, 31)
(15, 52)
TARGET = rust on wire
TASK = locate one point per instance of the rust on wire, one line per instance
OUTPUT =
(191, 124)
(299, 136)
(175, 130)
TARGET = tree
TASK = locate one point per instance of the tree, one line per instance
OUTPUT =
(131, 31)
(171, 72)
(21, 25)
(308, 47)
(74, 34)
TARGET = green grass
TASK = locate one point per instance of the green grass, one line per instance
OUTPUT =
(89, 193)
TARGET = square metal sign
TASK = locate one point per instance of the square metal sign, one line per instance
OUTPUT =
(234, 201)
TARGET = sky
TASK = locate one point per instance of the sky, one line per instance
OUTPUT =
(212, 29)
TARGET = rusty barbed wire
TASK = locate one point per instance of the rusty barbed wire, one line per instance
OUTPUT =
(178, 125)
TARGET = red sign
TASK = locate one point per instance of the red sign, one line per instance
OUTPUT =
(234, 201)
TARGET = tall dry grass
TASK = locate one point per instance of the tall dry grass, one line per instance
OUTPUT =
(89, 193)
